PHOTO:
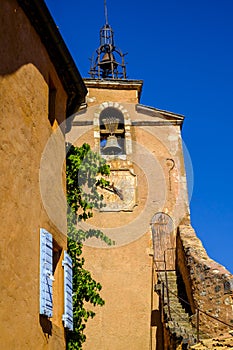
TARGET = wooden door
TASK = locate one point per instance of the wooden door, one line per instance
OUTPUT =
(164, 241)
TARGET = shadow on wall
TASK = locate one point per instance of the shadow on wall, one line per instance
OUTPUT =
(18, 45)
(21, 47)
(46, 324)
(156, 322)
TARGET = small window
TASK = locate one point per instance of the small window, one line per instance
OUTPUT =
(112, 132)
(52, 103)
(57, 250)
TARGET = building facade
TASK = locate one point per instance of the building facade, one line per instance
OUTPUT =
(161, 290)
(40, 88)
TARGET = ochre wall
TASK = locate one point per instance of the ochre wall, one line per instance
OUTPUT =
(125, 274)
(95, 96)
(25, 70)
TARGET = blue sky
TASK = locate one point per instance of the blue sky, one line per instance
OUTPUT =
(183, 50)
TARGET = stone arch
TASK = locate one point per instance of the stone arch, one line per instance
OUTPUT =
(126, 121)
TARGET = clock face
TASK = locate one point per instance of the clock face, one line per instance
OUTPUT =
(120, 195)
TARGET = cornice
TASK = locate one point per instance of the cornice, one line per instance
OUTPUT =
(117, 84)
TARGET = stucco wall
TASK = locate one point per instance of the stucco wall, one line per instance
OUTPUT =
(95, 96)
(25, 70)
(125, 274)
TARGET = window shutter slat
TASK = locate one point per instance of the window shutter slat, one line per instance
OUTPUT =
(46, 273)
(68, 291)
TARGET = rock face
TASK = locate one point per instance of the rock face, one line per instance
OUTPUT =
(206, 283)
(224, 342)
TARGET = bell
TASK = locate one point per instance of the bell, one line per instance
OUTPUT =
(107, 61)
(112, 147)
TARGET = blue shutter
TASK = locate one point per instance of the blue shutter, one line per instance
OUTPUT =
(46, 273)
(68, 290)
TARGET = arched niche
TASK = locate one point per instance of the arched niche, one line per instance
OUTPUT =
(112, 110)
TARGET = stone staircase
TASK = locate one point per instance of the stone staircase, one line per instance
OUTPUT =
(176, 318)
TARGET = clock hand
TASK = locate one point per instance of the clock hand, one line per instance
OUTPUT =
(115, 190)
(108, 189)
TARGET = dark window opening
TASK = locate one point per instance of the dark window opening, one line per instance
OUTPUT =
(52, 103)
(56, 255)
(112, 132)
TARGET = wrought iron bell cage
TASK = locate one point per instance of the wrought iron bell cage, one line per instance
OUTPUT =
(108, 60)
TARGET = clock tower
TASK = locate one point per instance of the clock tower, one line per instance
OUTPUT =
(145, 210)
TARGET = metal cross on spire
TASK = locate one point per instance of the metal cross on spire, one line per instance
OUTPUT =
(104, 65)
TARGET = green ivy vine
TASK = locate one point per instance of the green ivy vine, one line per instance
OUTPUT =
(84, 171)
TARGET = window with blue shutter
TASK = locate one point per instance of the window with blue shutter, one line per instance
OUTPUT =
(46, 273)
(68, 290)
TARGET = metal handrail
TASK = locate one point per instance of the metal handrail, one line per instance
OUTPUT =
(196, 309)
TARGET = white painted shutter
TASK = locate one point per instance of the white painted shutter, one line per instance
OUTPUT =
(68, 291)
(46, 273)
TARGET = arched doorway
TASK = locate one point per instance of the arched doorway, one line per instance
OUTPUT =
(164, 241)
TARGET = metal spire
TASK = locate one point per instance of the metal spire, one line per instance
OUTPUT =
(105, 12)
(104, 65)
